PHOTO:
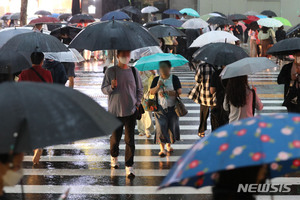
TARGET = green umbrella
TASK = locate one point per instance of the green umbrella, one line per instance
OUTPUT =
(152, 62)
(284, 21)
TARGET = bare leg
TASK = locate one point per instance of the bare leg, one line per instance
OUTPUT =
(169, 148)
(71, 82)
(37, 156)
(162, 150)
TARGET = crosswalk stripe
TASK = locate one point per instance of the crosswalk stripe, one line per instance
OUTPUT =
(91, 189)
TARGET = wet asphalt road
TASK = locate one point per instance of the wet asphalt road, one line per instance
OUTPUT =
(84, 166)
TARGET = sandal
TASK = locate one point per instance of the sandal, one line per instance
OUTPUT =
(170, 150)
(162, 154)
(202, 135)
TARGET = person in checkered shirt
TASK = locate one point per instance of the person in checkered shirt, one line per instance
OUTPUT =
(201, 94)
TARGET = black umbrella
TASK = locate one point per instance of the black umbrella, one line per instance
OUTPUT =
(36, 115)
(132, 9)
(6, 16)
(222, 14)
(71, 31)
(113, 35)
(220, 54)
(162, 31)
(64, 16)
(237, 17)
(220, 21)
(269, 13)
(288, 46)
(42, 12)
(81, 18)
(12, 62)
(294, 31)
(15, 16)
(34, 42)
(151, 24)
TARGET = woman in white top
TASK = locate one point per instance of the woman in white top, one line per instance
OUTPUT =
(266, 36)
(239, 99)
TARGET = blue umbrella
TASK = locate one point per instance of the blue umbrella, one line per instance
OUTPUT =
(273, 140)
(172, 22)
(172, 12)
(116, 15)
(152, 62)
(261, 16)
(190, 12)
(55, 15)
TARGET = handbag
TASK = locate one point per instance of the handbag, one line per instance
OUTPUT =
(149, 104)
(140, 110)
(180, 108)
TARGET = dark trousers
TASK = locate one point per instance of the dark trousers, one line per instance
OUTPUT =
(204, 112)
(129, 124)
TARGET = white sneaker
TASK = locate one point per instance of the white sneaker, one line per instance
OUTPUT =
(130, 172)
(114, 162)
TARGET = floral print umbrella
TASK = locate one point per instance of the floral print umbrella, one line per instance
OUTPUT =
(273, 140)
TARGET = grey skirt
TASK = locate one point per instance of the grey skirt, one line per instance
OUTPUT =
(167, 126)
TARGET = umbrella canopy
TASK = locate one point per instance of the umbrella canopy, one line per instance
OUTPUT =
(79, 18)
(261, 16)
(162, 31)
(113, 35)
(34, 42)
(115, 15)
(220, 54)
(44, 20)
(42, 12)
(288, 46)
(8, 33)
(247, 66)
(269, 22)
(146, 51)
(272, 140)
(294, 31)
(218, 13)
(206, 17)
(12, 62)
(132, 10)
(152, 62)
(69, 30)
(71, 56)
(251, 13)
(64, 16)
(171, 22)
(151, 24)
(195, 23)
(49, 114)
(213, 37)
(172, 12)
(5, 16)
(269, 13)
(220, 21)
(190, 12)
(55, 15)
(15, 16)
(237, 17)
(284, 21)
(250, 19)
(149, 9)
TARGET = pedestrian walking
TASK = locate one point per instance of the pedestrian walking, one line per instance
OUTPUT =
(191, 35)
(184, 17)
(145, 125)
(267, 37)
(240, 100)
(11, 171)
(290, 77)
(237, 31)
(57, 70)
(153, 17)
(166, 87)
(36, 74)
(254, 41)
(124, 88)
(201, 95)
(70, 70)
(280, 34)
(217, 87)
